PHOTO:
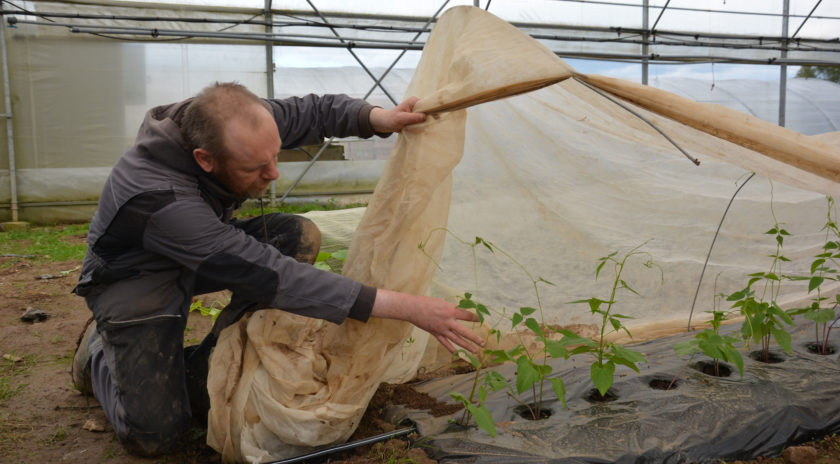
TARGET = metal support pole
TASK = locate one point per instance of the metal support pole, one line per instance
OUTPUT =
(645, 42)
(9, 127)
(377, 83)
(783, 67)
(269, 78)
(358, 60)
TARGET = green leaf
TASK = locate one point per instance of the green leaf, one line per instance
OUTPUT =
(815, 282)
(624, 284)
(582, 349)
(322, 266)
(516, 350)
(476, 363)
(559, 389)
(571, 338)
(466, 303)
(340, 255)
(686, 348)
(782, 338)
(556, 349)
(816, 264)
(459, 397)
(515, 320)
(485, 243)
(615, 323)
(772, 231)
(483, 418)
(784, 232)
(625, 357)
(820, 316)
(323, 256)
(598, 269)
(543, 370)
(482, 394)
(532, 324)
(602, 376)
(527, 310)
(732, 355)
(594, 304)
(495, 380)
(498, 356)
(526, 375)
(737, 295)
(784, 316)
(547, 282)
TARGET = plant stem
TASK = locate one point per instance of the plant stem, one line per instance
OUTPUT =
(674, 380)
(530, 409)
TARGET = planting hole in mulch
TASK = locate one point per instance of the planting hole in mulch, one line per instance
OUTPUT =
(525, 413)
(708, 368)
(817, 348)
(594, 396)
(771, 358)
(664, 384)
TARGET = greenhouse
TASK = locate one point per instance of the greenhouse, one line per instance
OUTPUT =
(636, 199)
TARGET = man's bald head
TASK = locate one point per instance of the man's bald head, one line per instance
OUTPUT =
(213, 109)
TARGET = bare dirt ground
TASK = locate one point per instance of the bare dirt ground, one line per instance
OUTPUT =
(44, 419)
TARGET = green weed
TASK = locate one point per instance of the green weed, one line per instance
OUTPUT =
(8, 389)
(295, 208)
(54, 437)
(211, 311)
(46, 243)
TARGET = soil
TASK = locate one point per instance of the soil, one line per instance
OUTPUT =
(43, 418)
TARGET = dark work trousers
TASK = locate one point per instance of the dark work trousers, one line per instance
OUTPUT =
(140, 376)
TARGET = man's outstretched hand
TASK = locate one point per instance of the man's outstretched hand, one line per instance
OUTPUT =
(438, 317)
(396, 118)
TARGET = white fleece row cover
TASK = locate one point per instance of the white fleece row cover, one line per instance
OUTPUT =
(557, 176)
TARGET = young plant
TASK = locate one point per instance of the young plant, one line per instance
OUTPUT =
(763, 316)
(211, 311)
(714, 345)
(608, 354)
(711, 343)
(824, 268)
(532, 368)
(332, 262)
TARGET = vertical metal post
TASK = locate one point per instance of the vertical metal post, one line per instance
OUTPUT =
(9, 128)
(269, 77)
(645, 39)
(783, 67)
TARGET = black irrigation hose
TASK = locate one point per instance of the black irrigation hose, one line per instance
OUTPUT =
(709, 254)
(603, 94)
(347, 446)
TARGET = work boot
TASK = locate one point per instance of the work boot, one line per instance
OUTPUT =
(89, 342)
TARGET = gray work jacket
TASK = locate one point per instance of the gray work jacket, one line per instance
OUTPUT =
(159, 212)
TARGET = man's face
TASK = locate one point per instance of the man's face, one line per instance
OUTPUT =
(251, 163)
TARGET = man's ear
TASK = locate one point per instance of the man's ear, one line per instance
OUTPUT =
(205, 159)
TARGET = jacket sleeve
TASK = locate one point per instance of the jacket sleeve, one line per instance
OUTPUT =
(188, 232)
(307, 120)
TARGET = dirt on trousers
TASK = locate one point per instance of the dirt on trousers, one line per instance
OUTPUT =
(43, 418)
